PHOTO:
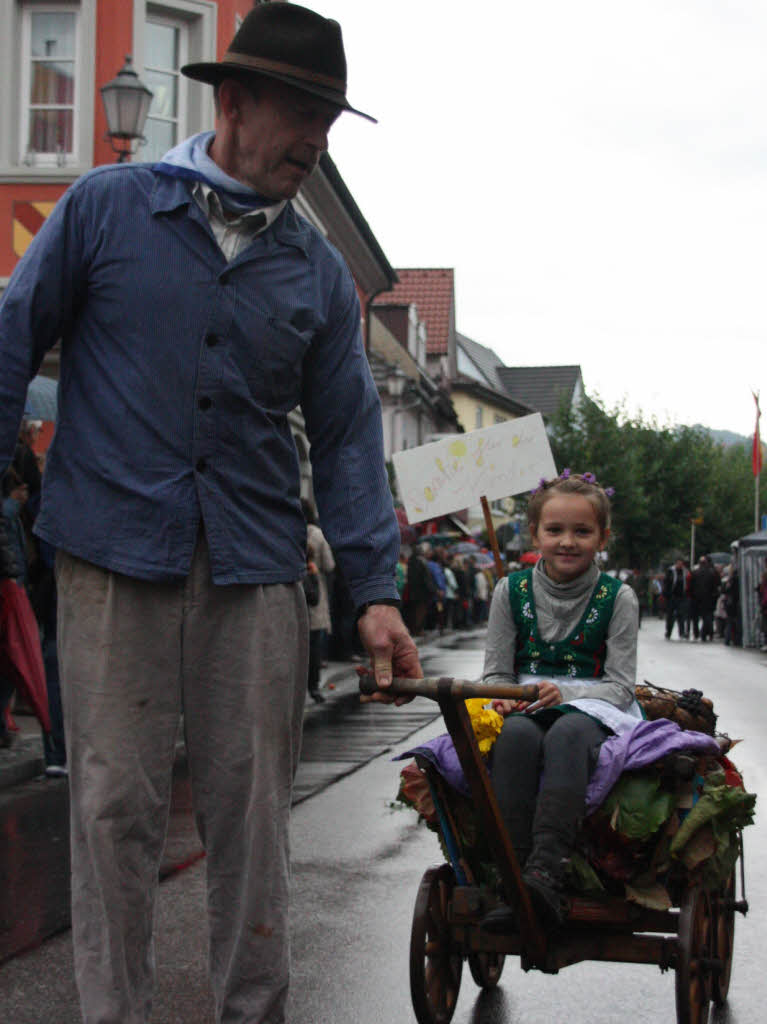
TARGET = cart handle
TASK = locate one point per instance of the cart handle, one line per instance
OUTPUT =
(446, 687)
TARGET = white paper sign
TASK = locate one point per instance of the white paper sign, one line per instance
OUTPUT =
(455, 472)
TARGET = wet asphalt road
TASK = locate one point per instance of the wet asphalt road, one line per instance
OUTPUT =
(357, 864)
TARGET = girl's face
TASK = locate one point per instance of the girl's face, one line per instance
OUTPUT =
(568, 536)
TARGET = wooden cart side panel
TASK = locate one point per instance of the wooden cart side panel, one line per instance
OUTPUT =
(459, 726)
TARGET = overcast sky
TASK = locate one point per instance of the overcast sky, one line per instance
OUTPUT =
(595, 173)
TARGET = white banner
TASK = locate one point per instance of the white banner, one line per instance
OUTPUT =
(455, 472)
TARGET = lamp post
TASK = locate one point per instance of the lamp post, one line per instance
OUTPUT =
(126, 105)
(396, 384)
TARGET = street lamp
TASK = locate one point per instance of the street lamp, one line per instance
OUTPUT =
(126, 105)
(395, 383)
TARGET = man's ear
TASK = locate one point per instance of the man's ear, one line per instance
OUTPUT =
(230, 94)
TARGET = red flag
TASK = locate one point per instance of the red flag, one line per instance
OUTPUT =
(756, 447)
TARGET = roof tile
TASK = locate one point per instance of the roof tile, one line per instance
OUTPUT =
(431, 290)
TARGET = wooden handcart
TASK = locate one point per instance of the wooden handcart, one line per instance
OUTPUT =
(694, 938)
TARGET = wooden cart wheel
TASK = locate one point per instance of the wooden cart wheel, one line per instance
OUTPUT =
(486, 968)
(435, 966)
(693, 968)
(724, 938)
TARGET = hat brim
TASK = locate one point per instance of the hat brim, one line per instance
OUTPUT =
(212, 74)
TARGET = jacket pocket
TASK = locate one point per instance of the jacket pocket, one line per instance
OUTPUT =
(275, 369)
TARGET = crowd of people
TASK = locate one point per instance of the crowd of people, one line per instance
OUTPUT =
(702, 602)
(440, 590)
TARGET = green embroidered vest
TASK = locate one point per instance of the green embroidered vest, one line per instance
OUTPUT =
(582, 653)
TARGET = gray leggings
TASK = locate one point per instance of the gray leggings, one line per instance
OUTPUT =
(550, 751)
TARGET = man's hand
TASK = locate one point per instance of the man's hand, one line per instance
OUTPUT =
(548, 696)
(391, 649)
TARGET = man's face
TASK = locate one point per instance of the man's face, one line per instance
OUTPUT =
(279, 135)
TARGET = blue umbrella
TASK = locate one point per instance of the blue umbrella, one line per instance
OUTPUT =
(463, 547)
(42, 399)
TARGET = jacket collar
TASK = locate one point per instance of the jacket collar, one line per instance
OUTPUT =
(170, 194)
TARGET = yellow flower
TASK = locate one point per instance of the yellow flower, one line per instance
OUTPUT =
(485, 722)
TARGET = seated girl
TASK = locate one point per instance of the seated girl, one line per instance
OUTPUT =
(572, 630)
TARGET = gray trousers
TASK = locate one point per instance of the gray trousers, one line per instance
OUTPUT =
(135, 657)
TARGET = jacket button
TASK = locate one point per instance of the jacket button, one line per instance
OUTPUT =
(211, 340)
(205, 402)
(201, 465)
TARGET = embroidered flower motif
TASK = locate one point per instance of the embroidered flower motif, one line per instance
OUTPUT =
(593, 616)
(527, 611)
(601, 594)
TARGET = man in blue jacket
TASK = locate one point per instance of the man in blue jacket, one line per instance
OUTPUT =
(195, 310)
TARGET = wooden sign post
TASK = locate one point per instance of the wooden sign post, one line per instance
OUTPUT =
(493, 539)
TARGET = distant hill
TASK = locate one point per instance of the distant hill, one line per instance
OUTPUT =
(725, 437)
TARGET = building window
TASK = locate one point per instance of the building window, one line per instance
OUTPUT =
(49, 87)
(166, 50)
(168, 34)
(478, 417)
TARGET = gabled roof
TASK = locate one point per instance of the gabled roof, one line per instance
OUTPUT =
(490, 387)
(431, 290)
(541, 387)
(486, 361)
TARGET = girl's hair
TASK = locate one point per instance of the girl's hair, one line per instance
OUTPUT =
(584, 484)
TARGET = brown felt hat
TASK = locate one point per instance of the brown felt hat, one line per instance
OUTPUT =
(289, 43)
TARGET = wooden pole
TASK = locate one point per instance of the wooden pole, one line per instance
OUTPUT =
(435, 687)
(504, 855)
(500, 572)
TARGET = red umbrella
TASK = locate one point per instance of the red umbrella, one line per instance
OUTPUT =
(530, 557)
(21, 657)
(407, 533)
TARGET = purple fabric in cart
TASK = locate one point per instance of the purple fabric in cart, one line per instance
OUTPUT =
(442, 754)
(640, 746)
(635, 749)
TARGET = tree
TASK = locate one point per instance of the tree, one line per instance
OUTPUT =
(662, 476)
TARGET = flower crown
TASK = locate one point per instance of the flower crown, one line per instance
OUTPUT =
(588, 478)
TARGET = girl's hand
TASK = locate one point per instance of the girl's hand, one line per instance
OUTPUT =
(504, 706)
(548, 696)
